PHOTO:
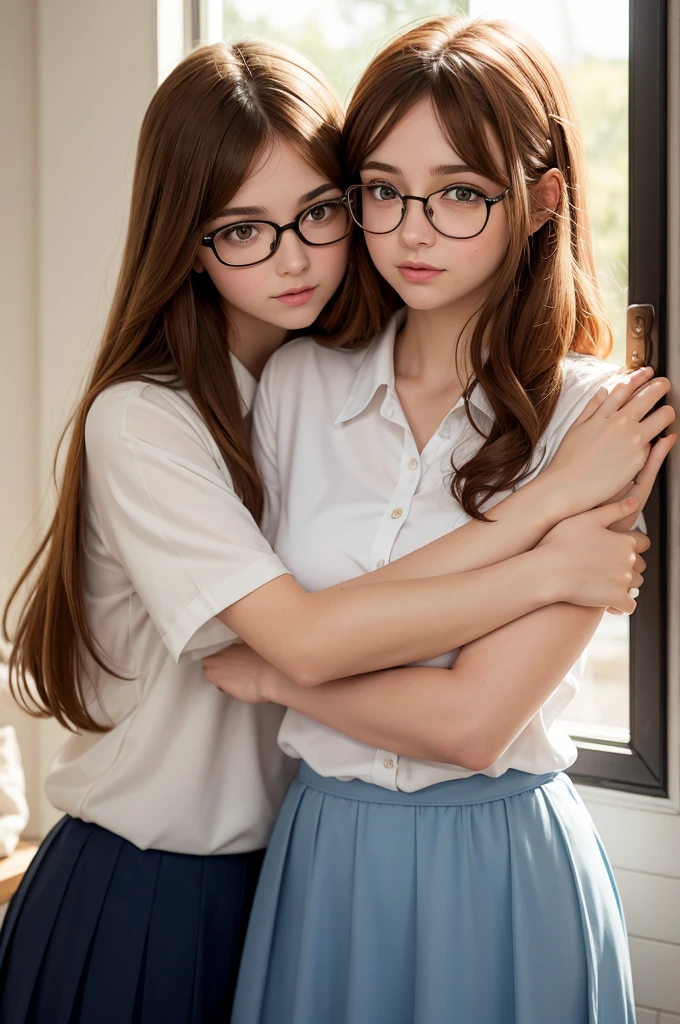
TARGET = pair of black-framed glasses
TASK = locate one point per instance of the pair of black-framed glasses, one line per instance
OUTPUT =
(457, 211)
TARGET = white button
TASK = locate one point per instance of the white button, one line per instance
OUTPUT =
(413, 464)
(396, 513)
(388, 763)
(380, 564)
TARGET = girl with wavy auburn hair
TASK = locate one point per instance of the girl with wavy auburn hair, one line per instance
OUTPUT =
(432, 862)
(135, 905)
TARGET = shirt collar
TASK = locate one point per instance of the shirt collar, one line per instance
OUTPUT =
(246, 384)
(377, 369)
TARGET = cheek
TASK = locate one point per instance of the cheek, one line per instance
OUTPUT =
(328, 264)
(381, 250)
(242, 287)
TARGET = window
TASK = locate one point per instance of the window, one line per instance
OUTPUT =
(612, 54)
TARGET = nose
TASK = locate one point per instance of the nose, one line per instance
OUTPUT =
(292, 257)
(415, 229)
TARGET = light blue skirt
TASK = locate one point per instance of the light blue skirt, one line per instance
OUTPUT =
(477, 901)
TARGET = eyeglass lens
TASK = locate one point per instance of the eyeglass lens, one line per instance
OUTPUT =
(458, 211)
(252, 241)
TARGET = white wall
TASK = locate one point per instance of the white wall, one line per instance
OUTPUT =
(19, 400)
(75, 79)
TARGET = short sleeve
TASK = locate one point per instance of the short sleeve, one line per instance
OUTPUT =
(161, 498)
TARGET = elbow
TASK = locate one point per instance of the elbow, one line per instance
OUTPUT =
(304, 666)
(476, 759)
(473, 751)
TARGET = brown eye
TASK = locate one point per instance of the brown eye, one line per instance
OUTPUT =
(239, 233)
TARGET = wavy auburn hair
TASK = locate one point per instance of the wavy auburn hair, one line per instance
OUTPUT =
(488, 74)
(208, 123)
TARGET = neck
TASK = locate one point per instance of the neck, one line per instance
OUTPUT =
(251, 340)
(432, 346)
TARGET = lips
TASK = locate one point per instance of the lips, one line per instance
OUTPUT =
(296, 296)
(416, 272)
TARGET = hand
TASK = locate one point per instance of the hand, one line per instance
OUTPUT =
(641, 487)
(595, 566)
(642, 543)
(241, 672)
(609, 443)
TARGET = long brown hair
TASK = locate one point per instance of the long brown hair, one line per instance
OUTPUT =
(204, 128)
(545, 300)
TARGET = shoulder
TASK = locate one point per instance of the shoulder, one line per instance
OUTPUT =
(581, 372)
(141, 411)
(304, 366)
(582, 375)
(306, 355)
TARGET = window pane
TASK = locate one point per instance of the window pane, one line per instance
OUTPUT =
(590, 44)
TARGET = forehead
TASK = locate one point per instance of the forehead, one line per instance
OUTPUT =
(417, 143)
(279, 170)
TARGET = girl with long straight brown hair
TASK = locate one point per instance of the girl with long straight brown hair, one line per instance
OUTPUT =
(135, 905)
(432, 862)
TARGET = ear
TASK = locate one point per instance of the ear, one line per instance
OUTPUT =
(546, 194)
(198, 266)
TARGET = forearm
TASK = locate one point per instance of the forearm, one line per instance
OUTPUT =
(465, 716)
(517, 524)
(343, 631)
(405, 710)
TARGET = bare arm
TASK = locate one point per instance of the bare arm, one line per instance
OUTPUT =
(467, 715)
(348, 629)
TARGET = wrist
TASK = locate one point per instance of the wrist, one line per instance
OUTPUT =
(272, 685)
(554, 498)
(550, 575)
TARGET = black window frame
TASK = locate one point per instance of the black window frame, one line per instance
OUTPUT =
(641, 765)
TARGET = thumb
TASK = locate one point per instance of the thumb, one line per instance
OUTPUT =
(609, 514)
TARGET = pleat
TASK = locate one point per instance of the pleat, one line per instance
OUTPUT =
(610, 996)
(464, 937)
(227, 894)
(40, 904)
(107, 933)
(66, 957)
(109, 990)
(251, 991)
(374, 909)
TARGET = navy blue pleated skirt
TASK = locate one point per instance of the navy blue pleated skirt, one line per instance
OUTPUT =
(476, 901)
(101, 932)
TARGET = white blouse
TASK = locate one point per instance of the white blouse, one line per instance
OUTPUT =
(168, 545)
(348, 490)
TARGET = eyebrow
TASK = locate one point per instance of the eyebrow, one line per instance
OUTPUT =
(251, 211)
(375, 165)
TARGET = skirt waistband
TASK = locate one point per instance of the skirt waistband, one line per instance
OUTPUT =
(474, 789)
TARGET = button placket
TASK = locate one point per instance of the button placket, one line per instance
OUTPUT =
(398, 507)
(385, 765)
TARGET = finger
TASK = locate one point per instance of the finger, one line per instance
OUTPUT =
(624, 391)
(658, 421)
(646, 478)
(645, 398)
(642, 541)
(593, 405)
(639, 564)
(608, 514)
